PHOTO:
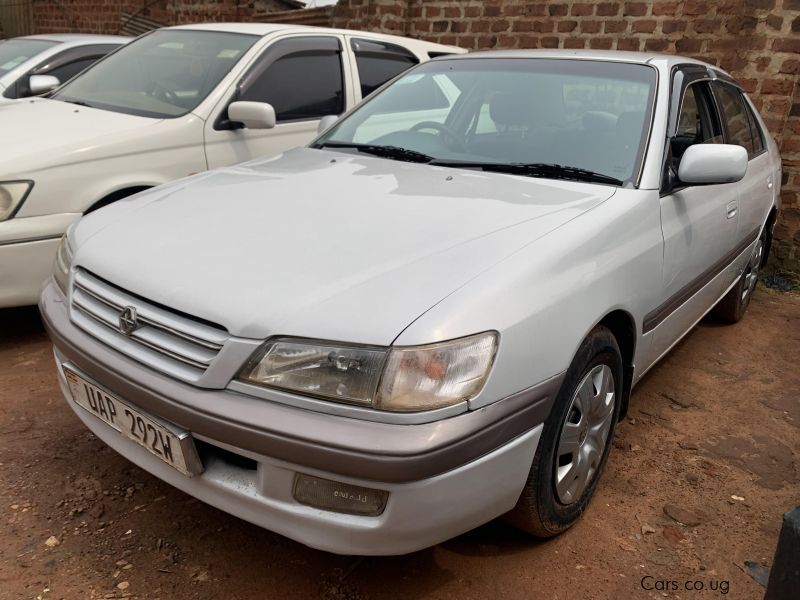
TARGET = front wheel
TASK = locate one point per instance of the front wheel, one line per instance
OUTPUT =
(575, 440)
(733, 306)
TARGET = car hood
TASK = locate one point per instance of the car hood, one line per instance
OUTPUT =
(321, 244)
(40, 133)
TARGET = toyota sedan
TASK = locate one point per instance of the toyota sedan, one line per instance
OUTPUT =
(434, 314)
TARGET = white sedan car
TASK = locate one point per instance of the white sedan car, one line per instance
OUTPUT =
(433, 315)
(173, 102)
(34, 64)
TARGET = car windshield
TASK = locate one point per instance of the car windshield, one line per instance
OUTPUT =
(564, 118)
(164, 74)
(15, 52)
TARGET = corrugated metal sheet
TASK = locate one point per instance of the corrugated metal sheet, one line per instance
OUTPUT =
(137, 24)
(16, 18)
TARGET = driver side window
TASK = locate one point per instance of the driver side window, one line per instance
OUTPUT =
(301, 78)
(697, 121)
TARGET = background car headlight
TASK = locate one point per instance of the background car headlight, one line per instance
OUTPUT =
(12, 194)
(62, 264)
(404, 378)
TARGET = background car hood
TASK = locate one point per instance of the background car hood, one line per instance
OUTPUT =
(321, 244)
(39, 133)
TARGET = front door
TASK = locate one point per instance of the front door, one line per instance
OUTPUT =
(699, 225)
(303, 79)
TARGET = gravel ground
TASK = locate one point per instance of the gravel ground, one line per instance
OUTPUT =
(703, 468)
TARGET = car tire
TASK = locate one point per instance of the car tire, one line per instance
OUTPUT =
(553, 499)
(733, 305)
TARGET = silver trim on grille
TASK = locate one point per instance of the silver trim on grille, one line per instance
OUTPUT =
(171, 342)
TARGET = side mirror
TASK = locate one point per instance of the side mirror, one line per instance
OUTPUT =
(712, 163)
(253, 115)
(326, 122)
(41, 84)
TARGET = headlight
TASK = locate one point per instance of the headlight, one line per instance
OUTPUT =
(426, 377)
(404, 379)
(12, 194)
(63, 263)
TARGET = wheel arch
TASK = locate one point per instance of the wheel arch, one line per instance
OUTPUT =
(769, 228)
(623, 327)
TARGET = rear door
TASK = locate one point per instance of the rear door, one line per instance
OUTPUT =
(303, 78)
(755, 189)
(699, 222)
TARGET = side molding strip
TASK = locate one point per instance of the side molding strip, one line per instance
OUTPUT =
(655, 317)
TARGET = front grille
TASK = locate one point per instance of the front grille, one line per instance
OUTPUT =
(169, 341)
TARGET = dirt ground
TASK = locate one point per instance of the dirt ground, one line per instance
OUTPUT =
(711, 439)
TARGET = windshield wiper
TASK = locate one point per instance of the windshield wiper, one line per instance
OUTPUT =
(72, 101)
(395, 152)
(545, 170)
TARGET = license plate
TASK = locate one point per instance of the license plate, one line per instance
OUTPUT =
(172, 445)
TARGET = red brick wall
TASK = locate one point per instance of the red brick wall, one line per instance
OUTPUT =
(93, 16)
(758, 41)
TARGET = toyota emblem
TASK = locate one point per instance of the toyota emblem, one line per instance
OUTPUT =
(127, 320)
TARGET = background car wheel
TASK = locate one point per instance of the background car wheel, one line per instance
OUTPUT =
(576, 440)
(732, 307)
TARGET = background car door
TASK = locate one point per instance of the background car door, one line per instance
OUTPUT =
(741, 128)
(699, 224)
(303, 78)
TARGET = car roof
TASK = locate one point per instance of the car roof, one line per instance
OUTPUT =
(78, 38)
(603, 55)
(262, 29)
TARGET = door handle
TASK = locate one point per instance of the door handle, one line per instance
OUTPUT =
(731, 209)
(769, 184)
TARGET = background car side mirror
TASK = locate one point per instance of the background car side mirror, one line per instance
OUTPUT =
(326, 122)
(41, 84)
(253, 115)
(712, 163)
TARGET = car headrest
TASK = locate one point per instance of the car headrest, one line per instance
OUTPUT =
(598, 121)
(510, 109)
(629, 124)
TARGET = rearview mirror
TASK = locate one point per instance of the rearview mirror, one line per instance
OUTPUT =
(712, 163)
(326, 122)
(41, 84)
(253, 115)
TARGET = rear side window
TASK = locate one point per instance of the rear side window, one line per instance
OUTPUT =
(734, 113)
(306, 84)
(759, 145)
(378, 62)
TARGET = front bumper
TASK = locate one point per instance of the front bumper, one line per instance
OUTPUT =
(443, 478)
(27, 249)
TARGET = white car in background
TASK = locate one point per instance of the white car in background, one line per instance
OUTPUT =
(174, 102)
(35, 64)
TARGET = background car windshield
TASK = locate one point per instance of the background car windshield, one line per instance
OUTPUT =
(588, 114)
(163, 74)
(15, 52)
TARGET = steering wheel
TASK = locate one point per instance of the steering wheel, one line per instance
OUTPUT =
(160, 91)
(444, 131)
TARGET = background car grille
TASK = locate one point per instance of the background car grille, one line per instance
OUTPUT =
(167, 340)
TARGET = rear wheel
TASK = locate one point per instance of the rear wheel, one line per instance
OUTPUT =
(733, 306)
(575, 440)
